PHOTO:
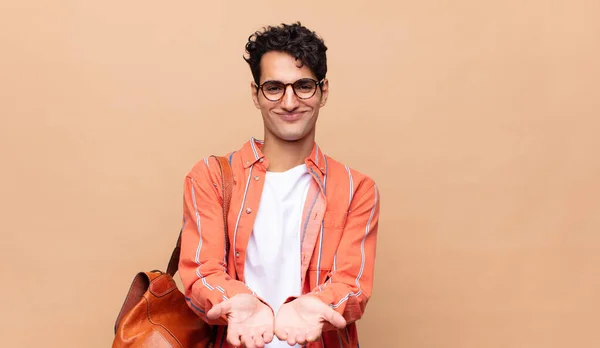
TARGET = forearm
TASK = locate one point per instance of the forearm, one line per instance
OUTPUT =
(203, 261)
(348, 287)
(346, 300)
(210, 289)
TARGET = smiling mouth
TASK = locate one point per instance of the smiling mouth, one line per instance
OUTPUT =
(291, 117)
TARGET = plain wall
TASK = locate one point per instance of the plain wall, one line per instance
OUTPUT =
(479, 121)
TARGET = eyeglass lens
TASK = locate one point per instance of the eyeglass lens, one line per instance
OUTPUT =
(303, 88)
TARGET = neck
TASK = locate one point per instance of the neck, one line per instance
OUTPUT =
(284, 155)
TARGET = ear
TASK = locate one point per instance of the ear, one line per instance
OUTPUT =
(254, 92)
(324, 92)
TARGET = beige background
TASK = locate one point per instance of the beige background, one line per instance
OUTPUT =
(479, 120)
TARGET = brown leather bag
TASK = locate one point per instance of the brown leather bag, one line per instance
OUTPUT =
(155, 313)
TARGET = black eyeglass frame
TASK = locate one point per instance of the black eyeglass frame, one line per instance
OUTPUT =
(318, 84)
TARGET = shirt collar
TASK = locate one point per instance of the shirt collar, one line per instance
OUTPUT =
(251, 153)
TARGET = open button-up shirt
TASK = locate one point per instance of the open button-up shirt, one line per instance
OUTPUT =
(338, 236)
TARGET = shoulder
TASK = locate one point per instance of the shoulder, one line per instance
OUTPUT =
(208, 167)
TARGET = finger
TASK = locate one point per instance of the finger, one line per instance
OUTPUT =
(265, 334)
(313, 335)
(291, 341)
(259, 342)
(301, 337)
(248, 341)
(335, 318)
(218, 310)
(291, 337)
(268, 335)
(281, 333)
(255, 334)
(233, 337)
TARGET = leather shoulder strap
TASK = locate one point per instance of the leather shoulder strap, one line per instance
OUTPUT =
(227, 185)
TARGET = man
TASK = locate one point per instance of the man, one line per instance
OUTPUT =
(302, 227)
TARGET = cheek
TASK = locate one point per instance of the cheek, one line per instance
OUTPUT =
(314, 105)
(316, 100)
(265, 108)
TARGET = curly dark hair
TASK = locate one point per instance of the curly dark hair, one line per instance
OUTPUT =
(294, 39)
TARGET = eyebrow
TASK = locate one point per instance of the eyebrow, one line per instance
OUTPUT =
(302, 78)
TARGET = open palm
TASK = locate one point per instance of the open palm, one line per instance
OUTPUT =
(249, 321)
(302, 320)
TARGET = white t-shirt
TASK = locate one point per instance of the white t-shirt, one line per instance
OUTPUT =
(273, 260)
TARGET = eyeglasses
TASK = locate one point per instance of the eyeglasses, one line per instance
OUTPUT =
(303, 89)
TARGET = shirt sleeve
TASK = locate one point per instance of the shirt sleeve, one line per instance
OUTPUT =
(348, 287)
(203, 260)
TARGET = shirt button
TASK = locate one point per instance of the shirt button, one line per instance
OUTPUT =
(261, 160)
(247, 162)
(256, 178)
(237, 254)
(248, 210)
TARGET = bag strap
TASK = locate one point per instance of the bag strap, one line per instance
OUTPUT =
(227, 185)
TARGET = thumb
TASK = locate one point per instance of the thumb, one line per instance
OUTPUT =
(219, 310)
(335, 318)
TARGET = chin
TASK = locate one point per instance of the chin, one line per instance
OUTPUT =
(292, 136)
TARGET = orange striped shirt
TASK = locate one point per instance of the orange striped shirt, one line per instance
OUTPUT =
(338, 234)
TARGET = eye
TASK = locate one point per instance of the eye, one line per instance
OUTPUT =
(272, 87)
(305, 85)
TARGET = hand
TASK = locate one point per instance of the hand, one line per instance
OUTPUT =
(301, 320)
(249, 321)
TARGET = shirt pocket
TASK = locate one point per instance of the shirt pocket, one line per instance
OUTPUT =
(324, 252)
(323, 255)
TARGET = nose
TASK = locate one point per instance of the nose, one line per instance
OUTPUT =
(289, 101)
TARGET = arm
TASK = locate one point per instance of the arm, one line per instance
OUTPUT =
(203, 263)
(342, 298)
(348, 287)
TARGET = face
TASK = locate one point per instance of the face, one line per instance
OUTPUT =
(291, 118)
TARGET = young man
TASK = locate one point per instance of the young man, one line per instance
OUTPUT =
(302, 227)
